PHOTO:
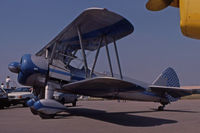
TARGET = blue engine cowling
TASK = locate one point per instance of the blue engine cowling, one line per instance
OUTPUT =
(31, 70)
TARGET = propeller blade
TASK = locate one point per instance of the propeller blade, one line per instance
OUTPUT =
(157, 5)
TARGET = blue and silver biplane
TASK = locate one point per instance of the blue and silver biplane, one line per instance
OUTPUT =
(51, 68)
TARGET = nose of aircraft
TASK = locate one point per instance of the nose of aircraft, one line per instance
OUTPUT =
(14, 67)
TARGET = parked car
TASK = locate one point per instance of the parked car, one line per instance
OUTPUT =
(9, 90)
(20, 96)
(65, 98)
(4, 102)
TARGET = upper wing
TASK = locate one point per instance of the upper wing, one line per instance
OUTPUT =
(175, 92)
(106, 87)
(93, 24)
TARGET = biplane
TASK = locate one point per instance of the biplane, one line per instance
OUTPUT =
(52, 67)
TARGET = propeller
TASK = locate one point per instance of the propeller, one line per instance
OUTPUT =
(157, 5)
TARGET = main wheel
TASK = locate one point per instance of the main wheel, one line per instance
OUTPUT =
(33, 111)
(46, 116)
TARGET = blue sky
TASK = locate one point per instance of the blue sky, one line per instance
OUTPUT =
(157, 43)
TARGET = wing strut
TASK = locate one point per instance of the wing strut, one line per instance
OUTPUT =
(83, 52)
(46, 53)
(108, 56)
(96, 56)
(53, 53)
(117, 56)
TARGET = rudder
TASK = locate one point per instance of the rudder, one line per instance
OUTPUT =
(167, 78)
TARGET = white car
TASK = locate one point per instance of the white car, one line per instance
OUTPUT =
(65, 98)
(20, 96)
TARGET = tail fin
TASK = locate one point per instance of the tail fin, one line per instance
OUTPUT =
(167, 78)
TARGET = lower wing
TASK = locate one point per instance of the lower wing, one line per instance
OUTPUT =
(105, 87)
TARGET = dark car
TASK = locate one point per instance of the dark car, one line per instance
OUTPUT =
(4, 102)
(9, 90)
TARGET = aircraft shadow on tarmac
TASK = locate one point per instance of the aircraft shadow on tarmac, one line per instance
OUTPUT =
(119, 118)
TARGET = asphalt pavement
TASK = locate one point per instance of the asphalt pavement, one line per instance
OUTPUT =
(107, 117)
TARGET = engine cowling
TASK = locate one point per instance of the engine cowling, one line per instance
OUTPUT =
(32, 70)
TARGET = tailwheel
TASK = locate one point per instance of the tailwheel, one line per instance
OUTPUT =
(161, 108)
(46, 116)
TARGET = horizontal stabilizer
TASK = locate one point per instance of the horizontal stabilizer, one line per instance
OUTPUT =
(195, 89)
(175, 92)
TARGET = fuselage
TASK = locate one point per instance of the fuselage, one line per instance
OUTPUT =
(34, 71)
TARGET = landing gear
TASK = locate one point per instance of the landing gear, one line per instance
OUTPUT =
(46, 116)
(161, 108)
(49, 90)
(33, 111)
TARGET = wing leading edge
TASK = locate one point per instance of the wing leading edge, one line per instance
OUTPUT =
(105, 87)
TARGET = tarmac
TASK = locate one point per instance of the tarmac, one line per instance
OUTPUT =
(107, 117)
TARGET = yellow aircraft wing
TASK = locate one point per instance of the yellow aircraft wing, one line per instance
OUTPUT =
(189, 14)
(190, 18)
